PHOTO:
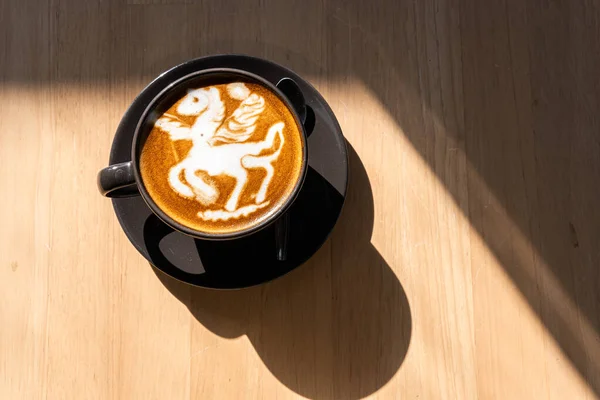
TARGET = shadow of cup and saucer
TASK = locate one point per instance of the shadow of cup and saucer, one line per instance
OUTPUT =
(339, 326)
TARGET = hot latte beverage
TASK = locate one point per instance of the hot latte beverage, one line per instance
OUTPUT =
(224, 157)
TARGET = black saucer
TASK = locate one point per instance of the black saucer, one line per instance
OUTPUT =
(251, 260)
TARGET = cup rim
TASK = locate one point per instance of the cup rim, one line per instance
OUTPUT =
(177, 225)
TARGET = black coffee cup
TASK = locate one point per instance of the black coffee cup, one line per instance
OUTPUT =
(124, 179)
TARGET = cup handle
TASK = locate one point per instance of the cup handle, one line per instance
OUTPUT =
(292, 91)
(118, 180)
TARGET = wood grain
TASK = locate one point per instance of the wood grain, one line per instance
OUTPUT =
(465, 264)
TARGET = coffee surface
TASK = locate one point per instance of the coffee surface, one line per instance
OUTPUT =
(223, 157)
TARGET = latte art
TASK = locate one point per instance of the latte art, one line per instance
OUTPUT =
(223, 157)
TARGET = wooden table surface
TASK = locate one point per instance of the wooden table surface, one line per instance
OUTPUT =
(465, 265)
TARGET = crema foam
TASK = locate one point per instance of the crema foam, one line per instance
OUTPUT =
(223, 157)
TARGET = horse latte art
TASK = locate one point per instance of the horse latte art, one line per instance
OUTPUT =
(223, 158)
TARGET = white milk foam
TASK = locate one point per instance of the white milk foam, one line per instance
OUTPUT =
(238, 91)
(221, 146)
